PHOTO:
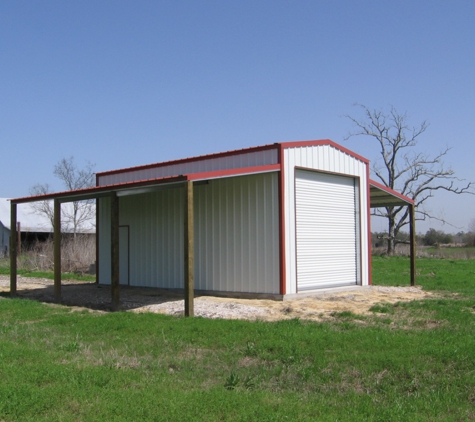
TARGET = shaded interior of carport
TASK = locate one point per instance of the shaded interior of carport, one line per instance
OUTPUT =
(380, 196)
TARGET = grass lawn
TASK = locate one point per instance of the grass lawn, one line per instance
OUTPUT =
(407, 362)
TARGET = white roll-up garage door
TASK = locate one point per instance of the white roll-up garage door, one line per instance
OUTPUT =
(327, 230)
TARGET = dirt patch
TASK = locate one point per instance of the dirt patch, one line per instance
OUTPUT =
(320, 307)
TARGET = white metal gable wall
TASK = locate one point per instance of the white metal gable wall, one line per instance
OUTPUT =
(236, 225)
(232, 161)
(328, 159)
(326, 230)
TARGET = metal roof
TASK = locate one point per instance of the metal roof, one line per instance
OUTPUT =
(141, 186)
(382, 196)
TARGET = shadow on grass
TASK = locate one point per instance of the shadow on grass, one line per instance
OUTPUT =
(97, 296)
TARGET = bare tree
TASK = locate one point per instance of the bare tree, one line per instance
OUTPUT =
(43, 207)
(73, 178)
(417, 175)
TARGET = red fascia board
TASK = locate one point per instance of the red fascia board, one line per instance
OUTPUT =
(190, 159)
(100, 189)
(391, 191)
(232, 172)
(322, 142)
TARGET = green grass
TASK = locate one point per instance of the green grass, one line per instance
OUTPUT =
(467, 252)
(449, 275)
(407, 362)
(5, 270)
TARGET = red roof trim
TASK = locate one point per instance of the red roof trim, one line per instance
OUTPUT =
(233, 172)
(323, 142)
(391, 191)
(190, 159)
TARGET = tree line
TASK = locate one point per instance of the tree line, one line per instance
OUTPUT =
(432, 237)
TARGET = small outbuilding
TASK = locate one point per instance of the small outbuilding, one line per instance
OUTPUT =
(275, 220)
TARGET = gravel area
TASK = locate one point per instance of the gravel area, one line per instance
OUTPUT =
(97, 297)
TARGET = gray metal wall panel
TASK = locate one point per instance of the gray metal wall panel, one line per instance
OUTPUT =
(242, 160)
(236, 229)
(155, 222)
(156, 237)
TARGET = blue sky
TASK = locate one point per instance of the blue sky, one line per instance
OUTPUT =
(122, 83)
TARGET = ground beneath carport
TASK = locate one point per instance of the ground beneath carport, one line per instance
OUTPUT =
(320, 307)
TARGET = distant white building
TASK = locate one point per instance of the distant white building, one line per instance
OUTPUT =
(32, 224)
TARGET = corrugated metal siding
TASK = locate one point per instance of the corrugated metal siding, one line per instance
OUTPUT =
(329, 159)
(156, 237)
(236, 236)
(326, 230)
(241, 160)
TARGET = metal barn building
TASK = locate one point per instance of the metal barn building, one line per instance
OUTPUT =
(276, 220)
(279, 219)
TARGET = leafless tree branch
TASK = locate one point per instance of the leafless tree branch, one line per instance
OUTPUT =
(73, 178)
(415, 174)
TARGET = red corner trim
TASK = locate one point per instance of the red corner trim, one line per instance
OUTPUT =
(283, 268)
(370, 243)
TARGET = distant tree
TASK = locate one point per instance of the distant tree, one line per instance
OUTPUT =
(417, 175)
(72, 178)
(437, 237)
(470, 236)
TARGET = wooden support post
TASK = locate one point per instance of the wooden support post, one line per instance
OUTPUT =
(115, 293)
(13, 249)
(18, 232)
(412, 233)
(189, 251)
(57, 250)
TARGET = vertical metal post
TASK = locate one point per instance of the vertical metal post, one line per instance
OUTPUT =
(115, 252)
(189, 250)
(412, 233)
(57, 250)
(13, 249)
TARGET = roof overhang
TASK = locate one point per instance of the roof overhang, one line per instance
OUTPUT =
(143, 186)
(382, 196)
